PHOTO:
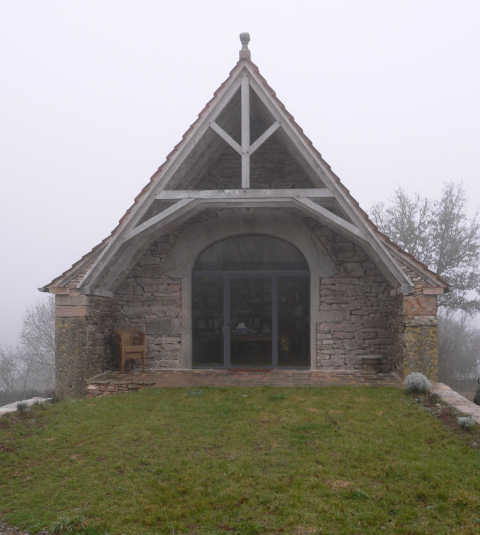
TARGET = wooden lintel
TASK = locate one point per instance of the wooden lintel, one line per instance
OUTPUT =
(317, 193)
(226, 137)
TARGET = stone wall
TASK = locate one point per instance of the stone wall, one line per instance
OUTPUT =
(358, 315)
(419, 335)
(150, 300)
(83, 329)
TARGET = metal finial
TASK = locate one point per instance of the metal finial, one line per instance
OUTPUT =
(244, 39)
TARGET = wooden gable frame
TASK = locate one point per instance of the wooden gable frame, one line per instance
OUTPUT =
(131, 233)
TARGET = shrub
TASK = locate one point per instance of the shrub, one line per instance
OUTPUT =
(417, 383)
(22, 408)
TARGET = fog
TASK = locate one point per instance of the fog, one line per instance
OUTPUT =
(94, 94)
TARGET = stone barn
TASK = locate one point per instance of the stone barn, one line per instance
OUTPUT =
(246, 252)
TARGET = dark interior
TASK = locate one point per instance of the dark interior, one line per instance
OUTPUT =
(250, 305)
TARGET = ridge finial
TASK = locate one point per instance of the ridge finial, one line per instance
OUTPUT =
(244, 39)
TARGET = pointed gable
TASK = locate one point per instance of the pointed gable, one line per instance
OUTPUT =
(244, 149)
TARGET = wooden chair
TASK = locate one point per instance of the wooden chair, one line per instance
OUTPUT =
(131, 346)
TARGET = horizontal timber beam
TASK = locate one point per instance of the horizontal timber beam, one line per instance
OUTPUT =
(219, 194)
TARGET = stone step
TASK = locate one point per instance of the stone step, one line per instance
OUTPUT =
(111, 382)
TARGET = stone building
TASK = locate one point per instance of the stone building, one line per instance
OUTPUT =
(246, 251)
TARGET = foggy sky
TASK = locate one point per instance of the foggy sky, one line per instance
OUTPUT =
(94, 94)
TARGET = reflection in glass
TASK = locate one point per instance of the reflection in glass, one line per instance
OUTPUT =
(253, 252)
(251, 322)
(207, 318)
(293, 322)
(250, 304)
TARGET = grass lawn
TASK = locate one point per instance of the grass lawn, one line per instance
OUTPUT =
(349, 460)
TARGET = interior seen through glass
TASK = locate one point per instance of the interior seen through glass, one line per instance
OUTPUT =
(250, 305)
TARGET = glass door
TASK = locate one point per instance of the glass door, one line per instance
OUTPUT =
(208, 321)
(250, 323)
(293, 322)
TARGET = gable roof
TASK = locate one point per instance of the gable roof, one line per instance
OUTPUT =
(82, 275)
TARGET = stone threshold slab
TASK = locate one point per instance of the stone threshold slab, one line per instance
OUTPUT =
(457, 401)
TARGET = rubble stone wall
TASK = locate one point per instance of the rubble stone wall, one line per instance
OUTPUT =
(83, 329)
(151, 301)
(359, 324)
(419, 336)
(358, 317)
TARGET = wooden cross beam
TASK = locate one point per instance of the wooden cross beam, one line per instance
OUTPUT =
(245, 149)
(219, 194)
(329, 218)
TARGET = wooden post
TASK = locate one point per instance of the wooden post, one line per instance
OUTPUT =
(245, 133)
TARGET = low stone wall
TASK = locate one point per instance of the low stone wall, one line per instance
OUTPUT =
(457, 401)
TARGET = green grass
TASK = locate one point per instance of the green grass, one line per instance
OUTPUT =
(339, 460)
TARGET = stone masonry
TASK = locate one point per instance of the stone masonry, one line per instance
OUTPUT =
(83, 329)
(361, 324)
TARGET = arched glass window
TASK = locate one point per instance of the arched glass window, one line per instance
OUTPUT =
(250, 253)
(250, 304)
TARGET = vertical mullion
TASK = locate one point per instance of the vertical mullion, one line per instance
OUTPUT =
(274, 321)
(227, 319)
(245, 132)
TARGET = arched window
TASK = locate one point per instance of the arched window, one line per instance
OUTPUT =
(251, 252)
(250, 304)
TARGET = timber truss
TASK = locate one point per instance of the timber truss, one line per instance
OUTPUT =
(327, 202)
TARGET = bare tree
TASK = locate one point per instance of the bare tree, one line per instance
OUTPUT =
(459, 350)
(37, 342)
(30, 366)
(441, 235)
(8, 369)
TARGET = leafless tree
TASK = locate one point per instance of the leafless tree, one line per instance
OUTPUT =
(30, 366)
(8, 369)
(37, 341)
(459, 351)
(441, 235)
